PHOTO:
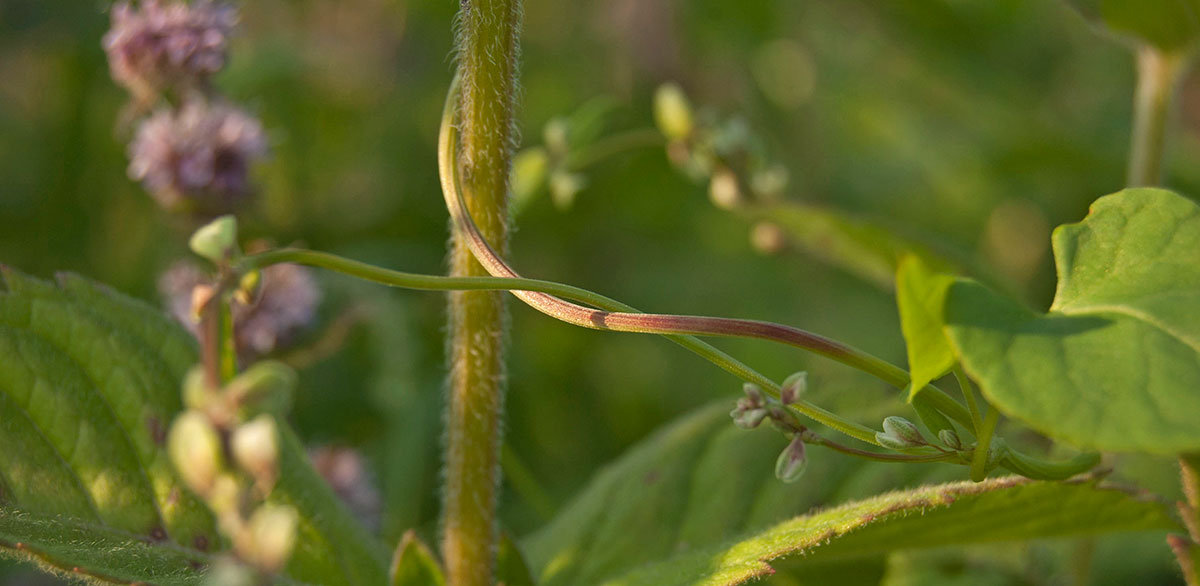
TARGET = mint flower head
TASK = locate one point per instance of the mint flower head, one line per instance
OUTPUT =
(199, 157)
(157, 45)
(284, 308)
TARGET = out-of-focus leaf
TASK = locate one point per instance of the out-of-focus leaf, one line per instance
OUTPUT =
(89, 383)
(1115, 364)
(415, 565)
(1167, 24)
(1001, 509)
(867, 250)
(511, 569)
(921, 296)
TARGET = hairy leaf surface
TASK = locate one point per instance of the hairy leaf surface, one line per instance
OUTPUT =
(687, 493)
(89, 385)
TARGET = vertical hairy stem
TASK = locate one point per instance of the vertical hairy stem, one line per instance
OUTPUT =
(487, 68)
(1158, 74)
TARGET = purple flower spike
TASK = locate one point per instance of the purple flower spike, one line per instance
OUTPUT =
(159, 45)
(198, 158)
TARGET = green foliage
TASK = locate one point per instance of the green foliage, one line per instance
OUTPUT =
(921, 295)
(1115, 364)
(98, 553)
(415, 565)
(1167, 24)
(90, 381)
(632, 514)
(951, 514)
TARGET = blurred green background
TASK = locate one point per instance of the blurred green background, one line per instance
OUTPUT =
(975, 125)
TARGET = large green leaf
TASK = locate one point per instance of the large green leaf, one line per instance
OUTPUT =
(700, 483)
(962, 513)
(1167, 24)
(89, 383)
(1115, 364)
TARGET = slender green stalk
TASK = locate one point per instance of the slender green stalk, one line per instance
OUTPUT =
(1158, 76)
(983, 445)
(613, 145)
(1017, 462)
(488, 48)
(964, 383)
(439, 283)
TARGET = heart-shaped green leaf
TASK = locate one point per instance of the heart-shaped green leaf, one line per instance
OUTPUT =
(89, 383)
(1115, 364)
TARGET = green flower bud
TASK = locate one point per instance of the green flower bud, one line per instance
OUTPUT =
(904, 430)
(793, 387)
(255, 447)
(672, 112)
(890, 441)
(195, 448)
(272, 531)
(950, 439)
(265, 387)
(217, 240)
(196, 392)
(792, 461)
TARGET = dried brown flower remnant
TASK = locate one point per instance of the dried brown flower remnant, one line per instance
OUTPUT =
(157, 45)
(199, 157)
(285, 306)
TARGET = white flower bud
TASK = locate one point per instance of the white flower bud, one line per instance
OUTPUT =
(255, 446)
(792, 461)
(272, 531)
(793, 387)
(195, 448)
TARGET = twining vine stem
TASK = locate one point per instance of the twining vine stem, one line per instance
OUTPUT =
(547, 296)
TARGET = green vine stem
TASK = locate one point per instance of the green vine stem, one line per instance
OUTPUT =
(627, 319)
(487, 55)
(1158, 74)
(1016, 462)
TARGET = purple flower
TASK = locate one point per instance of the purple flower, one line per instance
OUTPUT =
(198, 158)
(285, 306)
(159, 45)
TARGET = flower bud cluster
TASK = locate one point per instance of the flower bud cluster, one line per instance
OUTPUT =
(756, 407)
(195, 151)
(225, 447)
(723, 153)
